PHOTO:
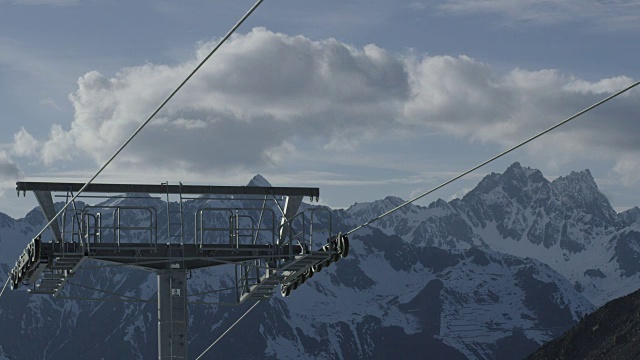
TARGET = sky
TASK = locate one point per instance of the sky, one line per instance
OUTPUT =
(362, 99)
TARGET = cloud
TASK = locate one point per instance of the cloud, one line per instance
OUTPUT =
(627, 167)
(259, 96)
(9, 170)
(609, 15)
(24, 144)
(44, 2)
(267, 98)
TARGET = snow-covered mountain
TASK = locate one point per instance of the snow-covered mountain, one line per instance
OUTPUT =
(567, 224)
(514, 263)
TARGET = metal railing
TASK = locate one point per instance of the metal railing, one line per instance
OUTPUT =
(304, 238)
(239, 225)
(89, 228)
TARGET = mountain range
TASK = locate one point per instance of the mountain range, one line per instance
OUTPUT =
(514, 263)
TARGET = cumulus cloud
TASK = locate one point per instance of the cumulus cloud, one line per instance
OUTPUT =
(268, 97)
(24, 144)
(260, 94)
(607, 14)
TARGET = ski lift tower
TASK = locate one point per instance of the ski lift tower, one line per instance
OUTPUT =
(267, 248)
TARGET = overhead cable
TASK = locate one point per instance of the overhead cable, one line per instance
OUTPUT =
(494, 158)
(222, 41)
(5, 286)
(108, 292)
(229, 329)
(104, 299)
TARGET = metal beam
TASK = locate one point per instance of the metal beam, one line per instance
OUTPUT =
(23, 186)
(46, 205)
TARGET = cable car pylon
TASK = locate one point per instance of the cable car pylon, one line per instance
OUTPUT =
(267, 250)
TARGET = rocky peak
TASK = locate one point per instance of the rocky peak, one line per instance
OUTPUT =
(630, 216)
(515, 171)
(513, 181)
(582, 179)
(368, 210)
(393, 200)
(259, 181)
(580, 191)
(440, 204)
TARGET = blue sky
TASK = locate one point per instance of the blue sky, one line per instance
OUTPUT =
(363, 99)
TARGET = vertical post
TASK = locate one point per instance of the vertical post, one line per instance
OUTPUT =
(173, 341)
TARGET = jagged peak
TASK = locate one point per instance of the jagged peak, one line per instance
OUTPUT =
(630, 216)
(440, 203)
(580, 189)
(260, 181)
(393, 200)
(513, 180)
(514, 168)
(385, 204)
(583, 177)
(578, 184)
(518, 171)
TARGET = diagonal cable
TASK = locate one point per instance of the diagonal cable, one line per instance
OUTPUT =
(229, 329)
(495, 157)
(108, 292)
(5, 286)
(104, 299)
(224, 39)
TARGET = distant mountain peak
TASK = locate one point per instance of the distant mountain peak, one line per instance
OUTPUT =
(512, 181)
(630, 216)
(260, 181)
(515, 167)
(394, 200)
(525, 174)
(583, 177)
(579, 186)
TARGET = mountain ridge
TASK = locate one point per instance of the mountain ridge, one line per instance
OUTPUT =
(444, 278)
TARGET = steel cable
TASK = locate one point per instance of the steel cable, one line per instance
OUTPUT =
(229, 329)
(5, 286)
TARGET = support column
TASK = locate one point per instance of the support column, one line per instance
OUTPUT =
(173, 340)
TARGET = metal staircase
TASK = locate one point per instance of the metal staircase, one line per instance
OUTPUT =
(62, 268)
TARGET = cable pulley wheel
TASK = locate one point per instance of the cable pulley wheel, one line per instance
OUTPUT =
(344, 246)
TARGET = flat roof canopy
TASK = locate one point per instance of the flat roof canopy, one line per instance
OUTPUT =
(164, 189)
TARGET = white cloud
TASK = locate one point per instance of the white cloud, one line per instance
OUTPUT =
(269, 97)
(60, 146)
(50, 103)
(24, 144)
(464, 97)
(261, 91)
